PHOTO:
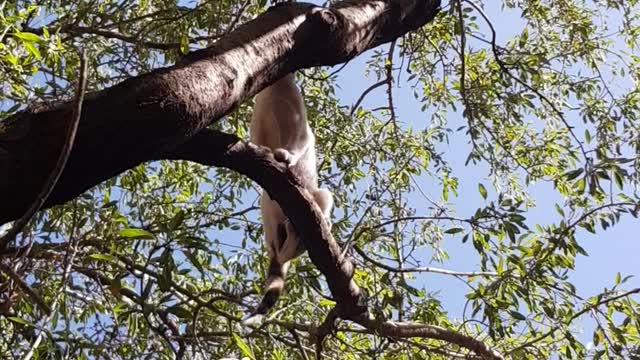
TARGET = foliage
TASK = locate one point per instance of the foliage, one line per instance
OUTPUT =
(165, 259)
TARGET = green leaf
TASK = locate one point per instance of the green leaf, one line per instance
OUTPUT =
(559, 210)
(516, 315)
(32, 50)
(617, 176)
(573, 174)
(454, 230)
(20, 321)
(597, 337)
(27, 36)
(184, 44)
(102, 257)
(176, 220)
(180, 312)
(244, 348)
(482, 190)
(136, 234)
(326, 302)
(194, 260)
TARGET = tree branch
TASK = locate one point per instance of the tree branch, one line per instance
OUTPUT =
(408, 330)
(327, 326)
(355, 105)
(164, 115)
(429, 269)
(210, 147)
(587, 307)
(136, 120)
(61, 161)
(33, 295)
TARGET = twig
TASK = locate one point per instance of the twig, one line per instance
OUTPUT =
(35, 297)
(71, 252)
(296, 337)
(472, 222)
(79, 30)
(325, 329)
(346, 246)
(437, 350)
(463, 66)
(586, 309)
(236, 19)
(326, 77)
(367, 91)
(422, 269)
(594, 315)
(555, 238)
(41, 250)
(389, 81)
(62, 159)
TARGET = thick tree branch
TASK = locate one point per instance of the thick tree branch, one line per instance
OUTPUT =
(144, 116)
(210, 147)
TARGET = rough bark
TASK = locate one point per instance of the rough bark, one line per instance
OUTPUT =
(162, 114)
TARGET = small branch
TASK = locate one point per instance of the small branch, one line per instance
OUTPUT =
(555, 239)
(398, 330)
(72, 249)
(463, 65)
(26, 288)
(234, 22)
(78, 30)
(60, 164)
(422, 269)
(327, 326)
(595, 317)
(75, 30)
(438, 350)
(296, 338)
(364, 94)
(472, 222)
(585, 310)
(389, 81)
(409, 330)
(38, 251)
